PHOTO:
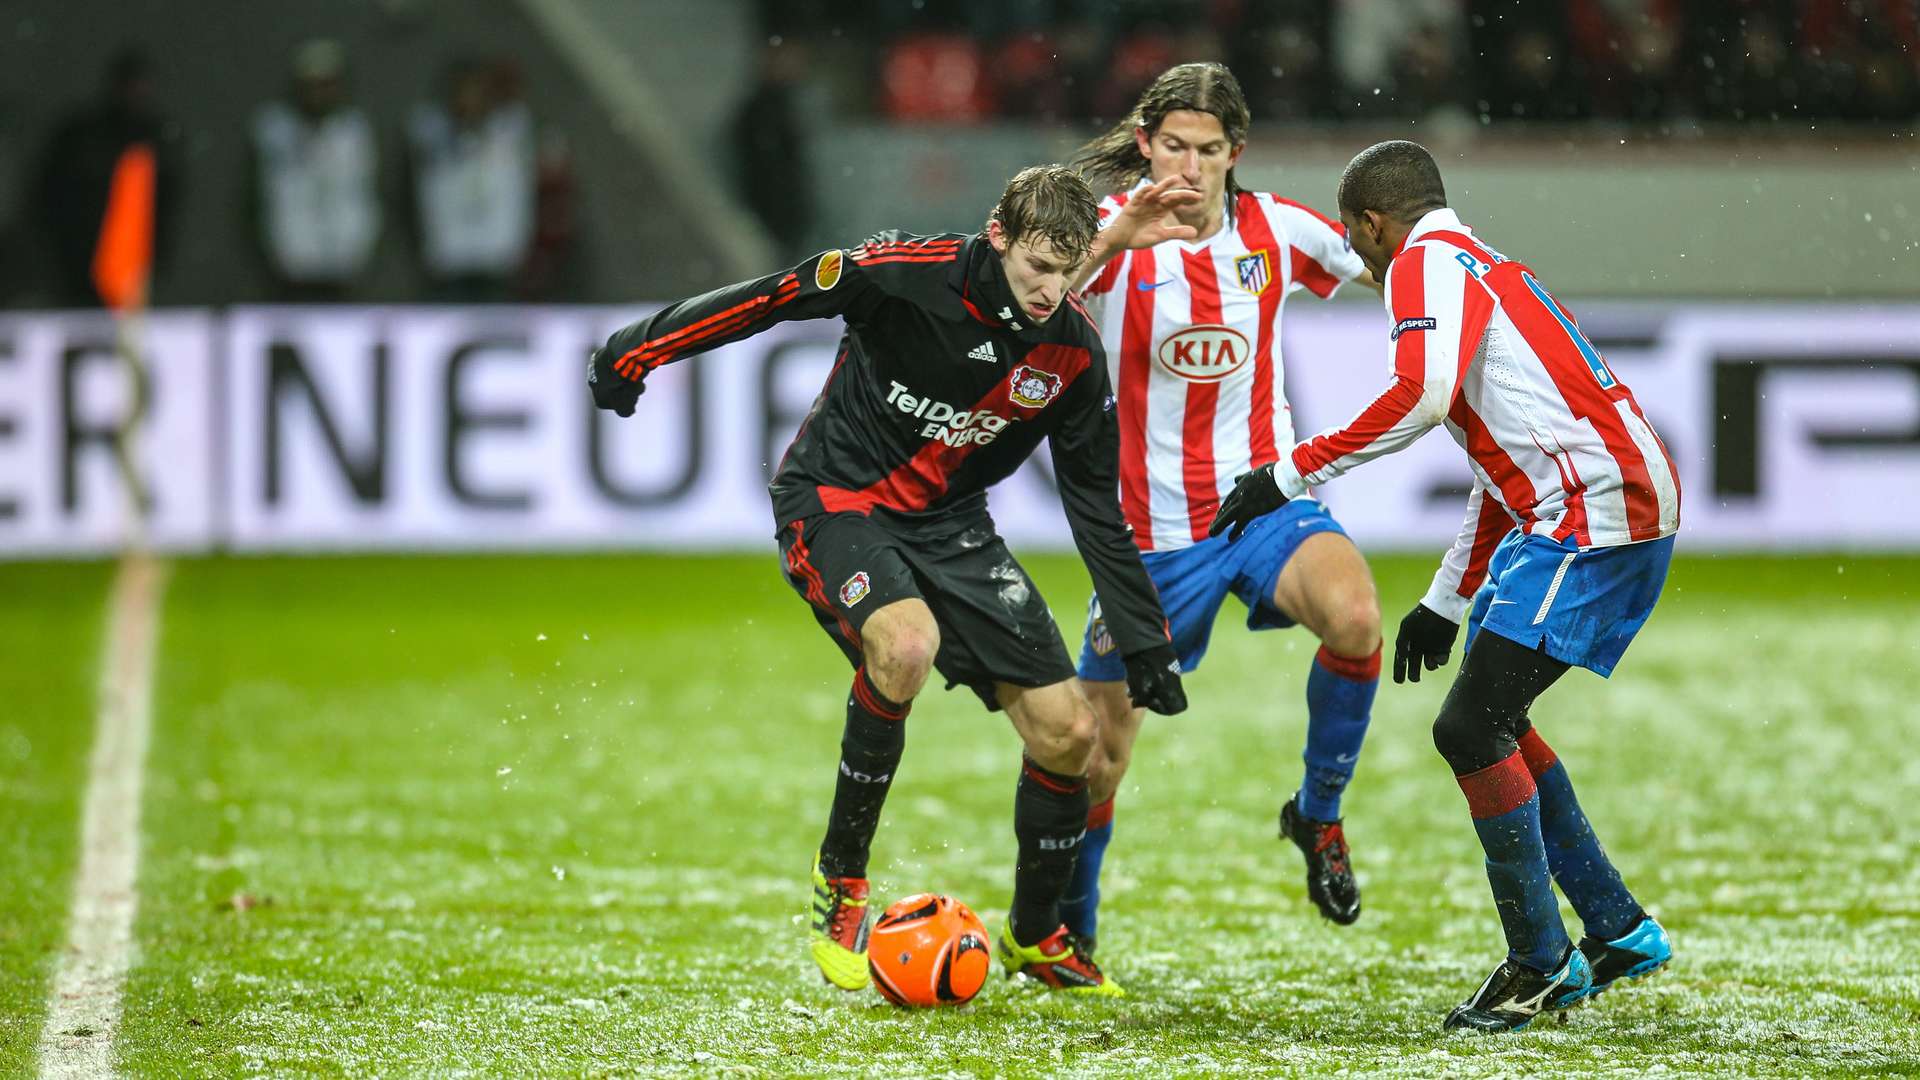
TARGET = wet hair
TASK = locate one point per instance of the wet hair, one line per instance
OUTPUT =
(1052, 203)
(1113, 159)
(1396, 178)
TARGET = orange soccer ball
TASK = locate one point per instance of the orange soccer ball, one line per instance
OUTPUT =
(928, 950)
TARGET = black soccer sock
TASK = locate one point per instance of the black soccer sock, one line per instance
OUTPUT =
(870, 750)
(1049, 819)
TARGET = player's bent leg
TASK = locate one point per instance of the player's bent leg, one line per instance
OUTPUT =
(1326, 587)
(1049, 819)
(1475, 732)
(1119, 725)
(898, 644)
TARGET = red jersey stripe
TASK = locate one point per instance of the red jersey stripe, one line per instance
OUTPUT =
(924, 477)
(652, 358)
(718, 316)
(1136, 343)
(1493, 524)
(1257, 233)
(1308, 271)
(1197, 469)
(1516, 489)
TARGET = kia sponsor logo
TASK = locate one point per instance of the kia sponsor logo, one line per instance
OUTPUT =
(1205, 353)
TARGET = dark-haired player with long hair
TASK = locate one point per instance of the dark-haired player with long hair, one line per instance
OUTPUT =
(1192, 330)
(1568, 533)
(961, 354)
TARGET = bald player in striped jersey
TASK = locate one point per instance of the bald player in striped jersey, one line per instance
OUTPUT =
(1568, 533)
(1191, 327)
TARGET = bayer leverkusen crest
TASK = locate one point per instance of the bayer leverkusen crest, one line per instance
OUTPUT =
(1033, 387)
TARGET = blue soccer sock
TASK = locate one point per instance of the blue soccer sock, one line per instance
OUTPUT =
(1080, 907)
(1506, 813)
(1580, 867)
(1339, 702)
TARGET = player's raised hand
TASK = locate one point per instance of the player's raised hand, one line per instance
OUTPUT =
(1153, 681)
(1148, 219)
(1426, 637)
(1255, 494)
(612, 390)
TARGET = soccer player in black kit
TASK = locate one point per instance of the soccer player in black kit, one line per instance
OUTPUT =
(961, 353)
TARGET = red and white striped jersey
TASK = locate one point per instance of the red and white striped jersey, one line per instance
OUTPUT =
(1558, 445)
(1193, 346)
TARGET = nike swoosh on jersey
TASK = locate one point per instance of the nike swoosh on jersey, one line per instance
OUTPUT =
(1149, 286)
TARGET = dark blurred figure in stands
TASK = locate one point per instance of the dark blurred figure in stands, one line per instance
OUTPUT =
(77, 169)
(770, 147)
(1631, 50)
(1284, 51)
(1400, 58)
(315, 181)
(473, 165)
(1864, 57)
(1523, 62)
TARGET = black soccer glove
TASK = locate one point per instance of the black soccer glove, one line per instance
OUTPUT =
(1426, 636)
(612, 390)
(1153, 681)
(1253, 495)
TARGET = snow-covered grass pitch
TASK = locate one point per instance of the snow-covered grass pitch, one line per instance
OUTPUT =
(554, 817)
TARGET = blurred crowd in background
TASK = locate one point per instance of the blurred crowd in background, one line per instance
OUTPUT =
(1333, 60)
(482, 200)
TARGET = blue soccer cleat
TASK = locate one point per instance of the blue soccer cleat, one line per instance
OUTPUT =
(1640, 951)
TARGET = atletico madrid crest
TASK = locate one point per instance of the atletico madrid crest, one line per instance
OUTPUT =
(1254, 271)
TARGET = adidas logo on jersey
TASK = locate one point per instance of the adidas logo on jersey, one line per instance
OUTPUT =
(984, 351)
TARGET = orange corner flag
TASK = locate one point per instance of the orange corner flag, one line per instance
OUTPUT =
(123, 260)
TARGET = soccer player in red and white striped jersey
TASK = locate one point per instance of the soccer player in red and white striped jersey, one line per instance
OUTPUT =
(1187, 283)
(1567, 539)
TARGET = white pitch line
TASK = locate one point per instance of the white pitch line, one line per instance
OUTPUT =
(83, 1007)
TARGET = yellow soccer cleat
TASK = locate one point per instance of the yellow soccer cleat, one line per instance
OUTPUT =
(1056, 962)
(838, 929)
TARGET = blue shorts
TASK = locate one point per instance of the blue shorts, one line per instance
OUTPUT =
(1579, 607)
(1194, 582)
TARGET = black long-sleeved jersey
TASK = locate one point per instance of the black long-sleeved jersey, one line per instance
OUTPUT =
(942, 387)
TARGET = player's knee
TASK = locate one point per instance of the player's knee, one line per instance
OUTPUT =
(1353, 624)
(1067, 743)
(1106, 769)
(1465, 737)
(900, 651)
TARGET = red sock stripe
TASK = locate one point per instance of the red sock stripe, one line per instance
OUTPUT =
(1100, 814)
(1052, 781)
(1497, 788)
(868, 695)
(1540, 757)
(1355, 668)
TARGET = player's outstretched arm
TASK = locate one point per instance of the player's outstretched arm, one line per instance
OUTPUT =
(1425, 296)
(1146, 219)
(823, 286)
(1086, 452)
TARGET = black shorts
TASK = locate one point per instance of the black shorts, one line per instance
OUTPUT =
(994, 625)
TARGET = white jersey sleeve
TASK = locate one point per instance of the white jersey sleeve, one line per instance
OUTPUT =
(1426, 296)
(1464, 568)
(1322, 256)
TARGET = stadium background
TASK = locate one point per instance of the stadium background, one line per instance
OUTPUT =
(403, 797)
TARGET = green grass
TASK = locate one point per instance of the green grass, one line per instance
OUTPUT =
(51, 620)
(554, 816)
